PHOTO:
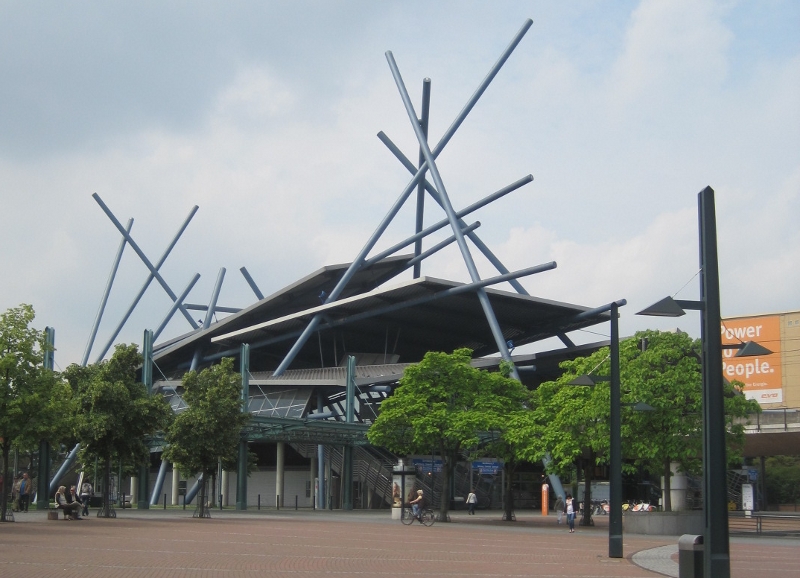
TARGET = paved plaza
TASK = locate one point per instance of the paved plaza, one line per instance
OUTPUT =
(289, 543)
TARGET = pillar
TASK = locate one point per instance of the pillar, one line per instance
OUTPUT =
(241, 470)
(176, 478)
(144, 483)
(279, 473)
(313, 476)
(223, 487)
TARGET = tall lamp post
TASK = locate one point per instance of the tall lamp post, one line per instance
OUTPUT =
(716, 559)
(615, 449)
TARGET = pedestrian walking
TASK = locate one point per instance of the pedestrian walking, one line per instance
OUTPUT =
(472, 502)
(86, 494)
(24, 492)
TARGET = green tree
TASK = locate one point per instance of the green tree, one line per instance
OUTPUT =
(34, 402)
(783, 479)
(510, 437)
(444, 404)
(665, 374)
(115, 413)
(572, 422)
(209, 429)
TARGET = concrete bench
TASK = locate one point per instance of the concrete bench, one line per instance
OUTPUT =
(52, 513)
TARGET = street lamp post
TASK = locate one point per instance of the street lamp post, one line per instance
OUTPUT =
(716, 561)
(615, 449)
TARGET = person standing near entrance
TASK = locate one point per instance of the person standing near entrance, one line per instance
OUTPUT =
(472, 501)
(569, 510)
(24, 493)
(86, 493)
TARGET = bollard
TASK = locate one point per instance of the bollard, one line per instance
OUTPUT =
(295, 501)
(165, 501)
(259, 501)
(220, 501)
(277, 502)
(690, 556)
(184, 501)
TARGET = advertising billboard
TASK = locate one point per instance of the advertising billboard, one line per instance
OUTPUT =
(761, 375)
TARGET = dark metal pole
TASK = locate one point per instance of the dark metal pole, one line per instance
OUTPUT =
(615, 513)
(42, 493)
(716, 562)
(423, 123)
(241, 472)
(106, 293)
(359, 260)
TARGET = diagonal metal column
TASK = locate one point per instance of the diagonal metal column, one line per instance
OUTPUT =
(423, 123)
(154, 274)
(444, 222)
(251, 283)
(435, 195)
(358, 261)
(106, 293)
(500, 340)
(212, 307)
(175, 305)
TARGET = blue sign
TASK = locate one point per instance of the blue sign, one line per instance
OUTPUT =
(426, 465)
(491, 468)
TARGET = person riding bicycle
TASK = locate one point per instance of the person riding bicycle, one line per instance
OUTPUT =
(417, 504)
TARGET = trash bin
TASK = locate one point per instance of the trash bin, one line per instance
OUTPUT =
(690, 556)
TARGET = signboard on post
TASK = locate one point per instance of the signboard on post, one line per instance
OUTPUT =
(747, 497)
(761, 375)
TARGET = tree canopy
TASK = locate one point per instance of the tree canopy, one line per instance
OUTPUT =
(445, 405)
(115, 413)
(34, 403)
(208, 430)
(660, 369)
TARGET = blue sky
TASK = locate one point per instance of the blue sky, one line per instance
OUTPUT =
(265, 116)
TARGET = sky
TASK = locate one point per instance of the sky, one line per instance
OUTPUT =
(265, 115)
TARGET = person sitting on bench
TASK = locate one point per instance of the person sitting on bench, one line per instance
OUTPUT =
(71, 509)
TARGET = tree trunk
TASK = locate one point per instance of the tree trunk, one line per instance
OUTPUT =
(448, 465)
(202, 503)
(106, 511)
(508, 496)
(667, 486)
(7, 482)
(587, 492)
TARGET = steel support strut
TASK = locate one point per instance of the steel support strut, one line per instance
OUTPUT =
(431, 154)
(497, 332)
(154, 274)
(106, 293)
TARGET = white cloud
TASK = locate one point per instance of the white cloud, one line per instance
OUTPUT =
(621, 116)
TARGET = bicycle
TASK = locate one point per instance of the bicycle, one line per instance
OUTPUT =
(426, 517)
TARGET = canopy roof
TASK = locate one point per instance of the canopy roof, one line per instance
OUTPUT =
(378, 324)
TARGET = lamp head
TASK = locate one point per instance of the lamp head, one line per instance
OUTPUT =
(667, 307)
(752, 349)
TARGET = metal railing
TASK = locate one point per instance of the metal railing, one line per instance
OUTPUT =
(772, 420)
(767, 523)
